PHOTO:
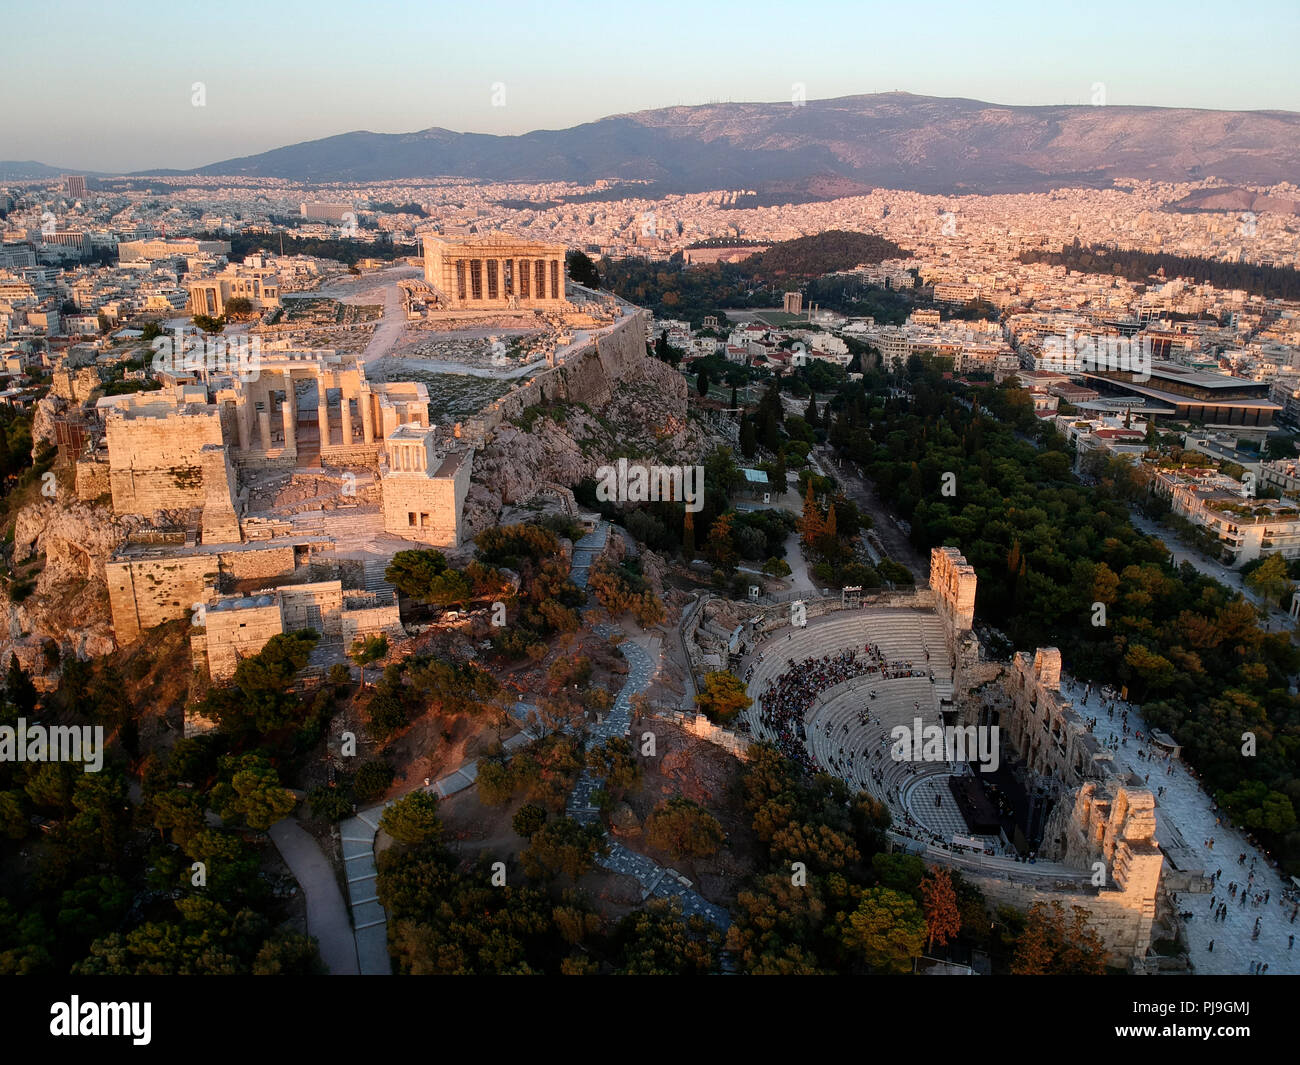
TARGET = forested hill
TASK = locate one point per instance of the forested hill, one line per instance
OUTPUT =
(822, 253)
(1271, 282)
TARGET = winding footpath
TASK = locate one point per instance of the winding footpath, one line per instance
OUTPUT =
(656, 880)
(370, 923)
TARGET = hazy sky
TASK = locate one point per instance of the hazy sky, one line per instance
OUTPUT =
(110, 86)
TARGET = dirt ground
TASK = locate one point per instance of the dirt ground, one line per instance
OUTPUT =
(475, 830)
(706, 774)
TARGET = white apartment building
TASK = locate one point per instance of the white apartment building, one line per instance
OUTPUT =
(1245, 527)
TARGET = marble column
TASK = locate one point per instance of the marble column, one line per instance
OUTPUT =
(264, 425)
(367, 418)
(345, 408)
(241, 425)
(290, 414)
(323, 414)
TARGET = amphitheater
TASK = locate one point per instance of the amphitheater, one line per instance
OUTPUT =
(853, 672)
(847, 728)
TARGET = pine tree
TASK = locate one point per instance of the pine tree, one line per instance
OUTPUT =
(748, 437)
(702, 382)
(688, 535)
(810, 411)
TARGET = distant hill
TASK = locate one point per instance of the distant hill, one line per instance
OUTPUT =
(826, 148)
(30, 170)
(1233, 199)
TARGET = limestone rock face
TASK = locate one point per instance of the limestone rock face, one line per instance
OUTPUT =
(43, 420)
(68, 607)
(644, 415)
(76, 539)
(623, 822)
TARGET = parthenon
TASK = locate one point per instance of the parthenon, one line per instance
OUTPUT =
(498, 272)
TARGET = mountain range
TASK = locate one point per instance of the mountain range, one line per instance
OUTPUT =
(897, 140)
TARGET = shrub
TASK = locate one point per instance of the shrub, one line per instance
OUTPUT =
(372, 780)
(413, 819)
(528, 819)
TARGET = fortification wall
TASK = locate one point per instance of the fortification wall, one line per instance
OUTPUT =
(91, 479)
(156, 463)
(236, 634)
(1116, 916)
(700, 726)
(1122, 911)
(588, 375)
(145, 591)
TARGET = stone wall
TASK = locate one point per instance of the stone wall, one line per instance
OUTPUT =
(91, 478)
(358, 621)
(1044, 727)
(263, 563)
(312, 606)
(145, 590)
(220, 520)
(155, 463)
(239, 627)
(1124, 928)
(440, 498)
(700, 726)
(953, 582)
(76, 386)
(239, 632)
(588, 375)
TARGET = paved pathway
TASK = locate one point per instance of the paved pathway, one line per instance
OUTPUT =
(585, 553)
(656, 880)
(370, 923)
(327, 917)
(1186, 807)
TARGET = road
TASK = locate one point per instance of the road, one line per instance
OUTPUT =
(390, 327)
(1216, 570)
(863, 493)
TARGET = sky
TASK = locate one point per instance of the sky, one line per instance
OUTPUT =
(154, 84)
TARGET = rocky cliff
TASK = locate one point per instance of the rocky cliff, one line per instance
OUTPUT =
(644, 417)
(67, 609)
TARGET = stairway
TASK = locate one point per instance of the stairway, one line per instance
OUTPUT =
(372, 570)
